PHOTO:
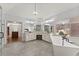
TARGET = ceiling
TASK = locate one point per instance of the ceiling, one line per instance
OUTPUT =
(45, 10)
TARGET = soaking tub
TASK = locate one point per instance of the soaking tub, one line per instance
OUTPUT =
(68, 49)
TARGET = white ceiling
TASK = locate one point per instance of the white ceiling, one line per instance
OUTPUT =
(7, 6)
(45, 10)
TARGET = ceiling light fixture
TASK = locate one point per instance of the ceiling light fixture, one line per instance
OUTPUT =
(30, 22)
(47, 24)
(47, 21)
(35, 10)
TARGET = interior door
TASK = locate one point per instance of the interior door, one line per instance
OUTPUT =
(14, 36)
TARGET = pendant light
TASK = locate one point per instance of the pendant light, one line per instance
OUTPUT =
(35, 10)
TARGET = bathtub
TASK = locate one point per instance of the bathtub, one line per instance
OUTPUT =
(67, 49)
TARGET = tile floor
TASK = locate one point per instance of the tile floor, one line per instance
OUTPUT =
(31, 48)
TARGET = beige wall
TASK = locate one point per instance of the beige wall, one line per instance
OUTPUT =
(74, 26)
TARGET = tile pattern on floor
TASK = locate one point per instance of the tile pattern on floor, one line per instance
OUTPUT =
(31, 48)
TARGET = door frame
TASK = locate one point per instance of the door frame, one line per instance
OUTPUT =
(9, 34)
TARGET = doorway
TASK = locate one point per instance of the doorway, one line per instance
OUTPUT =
(14, 32)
